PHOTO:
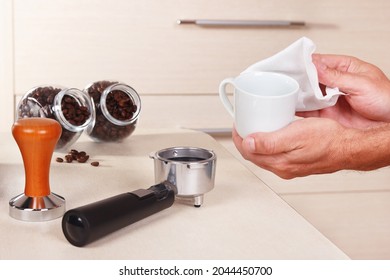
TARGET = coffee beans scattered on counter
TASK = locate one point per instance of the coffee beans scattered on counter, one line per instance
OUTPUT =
(74, 155)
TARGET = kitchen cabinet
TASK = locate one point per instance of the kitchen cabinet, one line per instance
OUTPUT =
(6, 66)
(73, 43)
(177, 70)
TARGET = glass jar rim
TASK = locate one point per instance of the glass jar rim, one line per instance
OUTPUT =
(79, 96)
(130, 92)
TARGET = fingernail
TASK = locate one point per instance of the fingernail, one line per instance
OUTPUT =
(251, 144)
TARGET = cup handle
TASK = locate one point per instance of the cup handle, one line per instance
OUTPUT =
(223, 96)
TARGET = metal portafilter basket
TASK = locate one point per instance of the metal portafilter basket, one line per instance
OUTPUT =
(186, 172)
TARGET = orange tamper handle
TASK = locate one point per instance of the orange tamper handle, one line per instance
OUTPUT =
(36, 138)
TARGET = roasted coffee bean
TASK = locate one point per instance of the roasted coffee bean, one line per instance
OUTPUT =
(78, 156)
(81, 154)
(39, 103)
(119, 105)
(68, 158)
(73, 154)
(82, 159)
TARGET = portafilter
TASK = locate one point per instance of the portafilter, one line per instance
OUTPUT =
(186, 172)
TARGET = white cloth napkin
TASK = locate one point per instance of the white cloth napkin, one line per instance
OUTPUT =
(296, 62)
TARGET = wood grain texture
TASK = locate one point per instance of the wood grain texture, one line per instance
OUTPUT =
(138, 42)
(36, 138)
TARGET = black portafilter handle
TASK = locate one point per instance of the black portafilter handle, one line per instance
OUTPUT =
(88, 223)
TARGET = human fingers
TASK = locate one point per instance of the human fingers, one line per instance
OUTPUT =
(307, 114)
(258, 148)
(267, 162)
(270, 143)
(348, 73)
(237, 140)
(343, 63)
(334, 77)
(366, 86)
(307, 146)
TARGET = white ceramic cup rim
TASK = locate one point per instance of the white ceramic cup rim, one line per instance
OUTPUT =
(294, 86)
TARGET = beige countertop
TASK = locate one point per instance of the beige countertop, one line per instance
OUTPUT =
(241, 218)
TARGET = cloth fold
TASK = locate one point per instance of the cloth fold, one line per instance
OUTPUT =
(296, 62)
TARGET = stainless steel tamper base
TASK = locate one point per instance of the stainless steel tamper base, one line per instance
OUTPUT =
(37, 209)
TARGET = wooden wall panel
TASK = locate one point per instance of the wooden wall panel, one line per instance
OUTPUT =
(73, 42)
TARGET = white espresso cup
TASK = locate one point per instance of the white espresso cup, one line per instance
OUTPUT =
(263, 101)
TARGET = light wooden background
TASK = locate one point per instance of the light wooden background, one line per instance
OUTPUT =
(72, 43)
(177, 70)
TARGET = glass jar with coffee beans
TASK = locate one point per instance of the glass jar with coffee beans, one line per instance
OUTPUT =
(117, 108)
(71, 107)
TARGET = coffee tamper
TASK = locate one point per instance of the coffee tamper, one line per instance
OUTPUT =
(36, 138)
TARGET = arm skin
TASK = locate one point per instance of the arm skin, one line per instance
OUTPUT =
(354, 134)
